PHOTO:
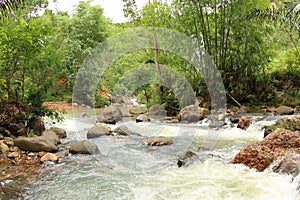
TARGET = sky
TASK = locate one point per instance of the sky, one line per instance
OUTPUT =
(113, 9)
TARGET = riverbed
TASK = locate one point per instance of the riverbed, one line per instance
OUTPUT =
(128, 169)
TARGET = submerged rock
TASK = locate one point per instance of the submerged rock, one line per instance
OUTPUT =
(158, 141)
(184, 158)
(290, 123)
(261, 154)
(98, 130)
(110, 115)
(84, 147)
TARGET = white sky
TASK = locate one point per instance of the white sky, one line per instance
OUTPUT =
(113, 9)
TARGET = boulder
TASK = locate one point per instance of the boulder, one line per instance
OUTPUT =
(61, 133)
(158, 141)
(84, 147)
(244, 122)
(110, 115)
(50, 157)
(142, 118)
(261, 154)
(284, 110)
(98, 130)
(51, 137)
(35, 144)
(192, 113)
(37, 125)
(157, 112)
(122, 129)
(290, 123)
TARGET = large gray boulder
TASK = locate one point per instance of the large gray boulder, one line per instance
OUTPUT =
(35, 144)
(98, 130)
(84, 147)
(110, 115)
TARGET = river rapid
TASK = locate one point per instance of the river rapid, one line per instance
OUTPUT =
(128, 169)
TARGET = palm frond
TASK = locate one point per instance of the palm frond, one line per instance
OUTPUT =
(293, 7)
(6, 6)
(289, 16)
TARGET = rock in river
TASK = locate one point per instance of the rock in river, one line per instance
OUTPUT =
(192, 113)
(261, 154)
(110, 115)
(98, 130)
(122, 129)
(142, 118)
(84, 147)
(158, 141)
(244, 122)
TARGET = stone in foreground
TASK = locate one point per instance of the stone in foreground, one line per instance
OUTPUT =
(35, 144)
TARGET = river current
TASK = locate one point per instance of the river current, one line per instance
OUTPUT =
(128, 169)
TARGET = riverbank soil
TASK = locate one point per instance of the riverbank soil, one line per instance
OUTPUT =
(17, 174)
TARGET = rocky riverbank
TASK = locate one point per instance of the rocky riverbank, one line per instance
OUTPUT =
(23, 159)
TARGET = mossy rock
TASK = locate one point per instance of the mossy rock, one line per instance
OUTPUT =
(290, 123)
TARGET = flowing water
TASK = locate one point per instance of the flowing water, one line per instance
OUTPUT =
(128, 169)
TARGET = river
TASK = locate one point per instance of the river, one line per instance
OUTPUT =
(128, 169)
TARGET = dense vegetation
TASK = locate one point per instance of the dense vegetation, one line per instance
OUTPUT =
(255, 45)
